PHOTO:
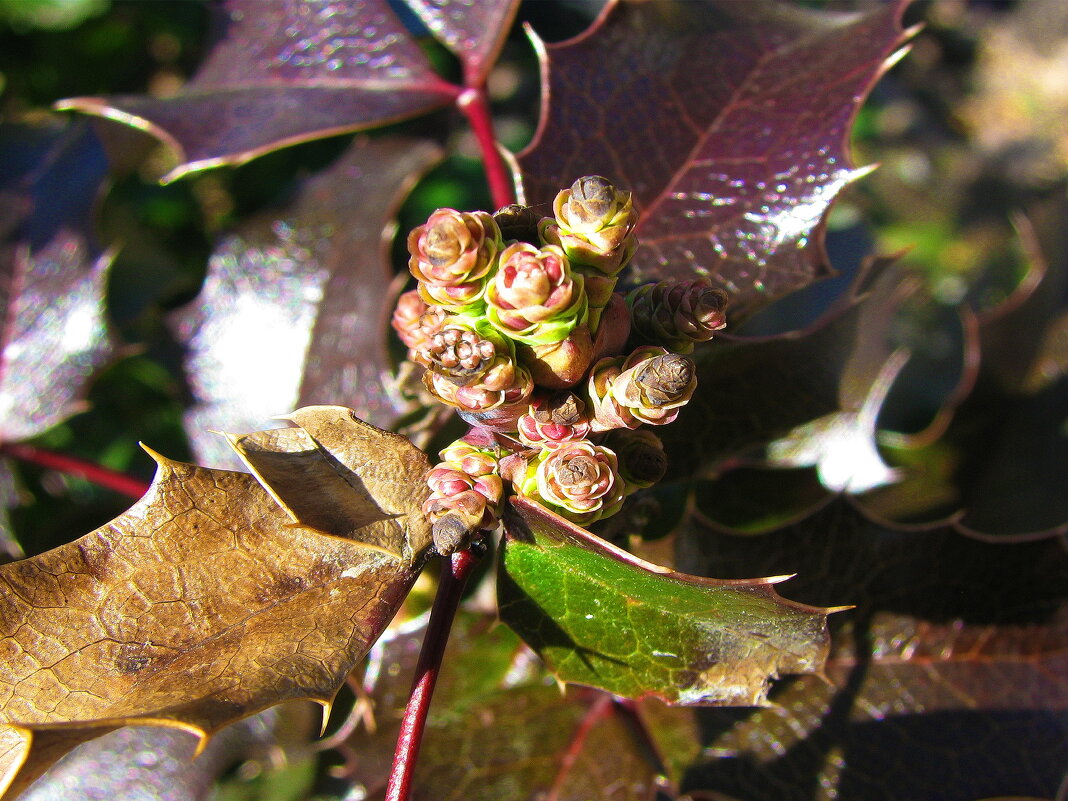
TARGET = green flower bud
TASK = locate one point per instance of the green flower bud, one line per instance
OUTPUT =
(534, 298)
(641, 457)
(453, 255)
(594, 224)
(578, 480)
(676, 314)
(649, 386)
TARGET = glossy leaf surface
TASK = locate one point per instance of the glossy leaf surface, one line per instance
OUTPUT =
(294, 309)
(756, 100)
(474, 31)
(203, 603)
(956, 647)
(53, 274)
(601, 617)
(282, 72)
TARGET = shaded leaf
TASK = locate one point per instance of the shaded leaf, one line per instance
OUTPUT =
(601, 617)
(474, 31)
(144, 763)
(202, 604)
(755, 101)
(282, 72)
(957, 648)
(53, 274)
(491, 682)
(295, 307)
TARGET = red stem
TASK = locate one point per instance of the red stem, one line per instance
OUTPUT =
(597, 710)
(72, 465)
(454, 574)
(474, 105)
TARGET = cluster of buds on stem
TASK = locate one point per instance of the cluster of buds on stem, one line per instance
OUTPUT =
(517, 323)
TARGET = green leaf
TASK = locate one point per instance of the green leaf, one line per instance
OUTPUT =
(602, 617)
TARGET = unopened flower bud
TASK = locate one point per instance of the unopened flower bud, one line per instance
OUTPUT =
(518, 223)
(506, 384)
(594, 224)
(472, 460)
(410, 307)
(578, 480)
(676, 314)
(534, 298)
(466, 351)
(641, 458)
(474, 500)
(649, 386)
(551, 422)
(453, 255)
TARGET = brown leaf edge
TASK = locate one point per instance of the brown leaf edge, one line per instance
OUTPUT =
(122, 668)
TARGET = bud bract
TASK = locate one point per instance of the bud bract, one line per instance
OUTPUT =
(534, 297)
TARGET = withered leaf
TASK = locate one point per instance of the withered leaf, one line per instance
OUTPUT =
(756, 99)
(205, 602)
(282, 72)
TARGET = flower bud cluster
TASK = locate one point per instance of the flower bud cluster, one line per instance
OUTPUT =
(517, 324)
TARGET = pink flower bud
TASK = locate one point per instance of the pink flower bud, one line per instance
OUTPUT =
(533, 297)
(452, 256)
(579, 480)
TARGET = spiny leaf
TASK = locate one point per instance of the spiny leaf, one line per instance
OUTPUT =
(475, 32)
(601, 617)
(760, 96)
(294, 308)
(282, 72)
(52, 274)
(956, 646)
(202, 604)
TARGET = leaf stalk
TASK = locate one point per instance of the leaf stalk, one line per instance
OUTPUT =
(474, 105)
(454, 574)
(73, 466)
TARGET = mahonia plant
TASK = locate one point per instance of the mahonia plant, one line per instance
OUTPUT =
(519, 328)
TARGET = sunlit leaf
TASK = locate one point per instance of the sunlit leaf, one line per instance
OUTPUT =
(601, 617)
(203, 603)
(753, 101)
(282, 72)
(295, 308)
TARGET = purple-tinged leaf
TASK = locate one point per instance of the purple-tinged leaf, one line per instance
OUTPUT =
(282, 72)
(474, 30)
(601, 617)
(295, 308)
(753, 102)
(957, 647)
(52, 275)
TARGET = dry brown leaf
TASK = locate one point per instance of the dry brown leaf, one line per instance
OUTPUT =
(205, 602)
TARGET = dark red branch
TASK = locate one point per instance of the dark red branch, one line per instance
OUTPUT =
(73, 466)
(474, 105)
(454, 574)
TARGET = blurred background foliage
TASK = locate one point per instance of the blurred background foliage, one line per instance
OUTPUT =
(968, 130)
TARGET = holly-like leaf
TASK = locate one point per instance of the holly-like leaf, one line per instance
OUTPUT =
(956, 647)
(474, 31)
(295, 307)
(282, 72)
(601, 617)
(207, 600)
(753, 101)
(53, 274)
